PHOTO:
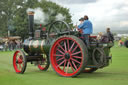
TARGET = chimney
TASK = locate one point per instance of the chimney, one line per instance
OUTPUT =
(31, 23)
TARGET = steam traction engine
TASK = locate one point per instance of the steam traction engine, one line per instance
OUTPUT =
(63, 48)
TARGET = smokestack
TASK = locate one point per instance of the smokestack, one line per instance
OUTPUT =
(31, 23)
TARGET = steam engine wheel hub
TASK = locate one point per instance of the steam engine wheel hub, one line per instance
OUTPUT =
(67, 56)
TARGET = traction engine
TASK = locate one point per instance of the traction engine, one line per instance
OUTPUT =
(63, 48)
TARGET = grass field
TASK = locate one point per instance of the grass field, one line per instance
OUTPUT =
(115, 74)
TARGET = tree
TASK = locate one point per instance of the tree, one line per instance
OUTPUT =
(7, 14)
(16, 19)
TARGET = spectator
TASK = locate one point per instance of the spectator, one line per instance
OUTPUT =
(109, 35)
(120, 43)
(6, 45)
(99, 37)
(9, 46)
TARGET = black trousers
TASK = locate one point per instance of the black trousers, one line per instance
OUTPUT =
(86, 39)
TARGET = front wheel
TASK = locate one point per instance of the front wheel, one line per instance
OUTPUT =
(68, 56)
(19, 62)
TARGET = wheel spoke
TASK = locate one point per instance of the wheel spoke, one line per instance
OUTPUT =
(23, 64)
(65, 46)
(62, 25)
(67, 67)
(60, 59)
(57, 55)
(64, 65)
(61, 63)
(60, 51)
(74, 65)
(68, 43)
(72, 46)
(76, 61)
(20, 67)
(77, 57)
(71, 66)
(17, 65)
(76, 53)
(61, 47)
(56, 28)
(18, 56)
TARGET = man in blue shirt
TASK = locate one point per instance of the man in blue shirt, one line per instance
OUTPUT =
(87, 29)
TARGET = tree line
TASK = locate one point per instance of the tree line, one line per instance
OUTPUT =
(14, 18)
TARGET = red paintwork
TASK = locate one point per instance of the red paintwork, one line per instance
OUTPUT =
(43, 29)
(90, 37)
(41, 67)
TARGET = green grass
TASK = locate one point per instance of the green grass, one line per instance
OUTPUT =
(115, 74)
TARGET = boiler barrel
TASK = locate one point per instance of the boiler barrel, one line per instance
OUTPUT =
(36, 46)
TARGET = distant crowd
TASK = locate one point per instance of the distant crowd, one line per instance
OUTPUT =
(120, 43)
(10, 45)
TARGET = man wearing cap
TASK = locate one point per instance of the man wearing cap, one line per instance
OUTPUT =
(81, 20)
(109, 35)
(87, 29)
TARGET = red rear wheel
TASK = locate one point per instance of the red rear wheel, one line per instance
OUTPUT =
(45, 63)
(68, 56)
(19, 61)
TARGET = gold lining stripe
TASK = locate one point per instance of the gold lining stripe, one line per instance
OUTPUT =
(30, 45)
(42, 49)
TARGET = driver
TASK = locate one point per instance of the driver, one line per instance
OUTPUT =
(87, 29)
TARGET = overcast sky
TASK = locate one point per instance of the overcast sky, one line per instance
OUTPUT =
(102, 13)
